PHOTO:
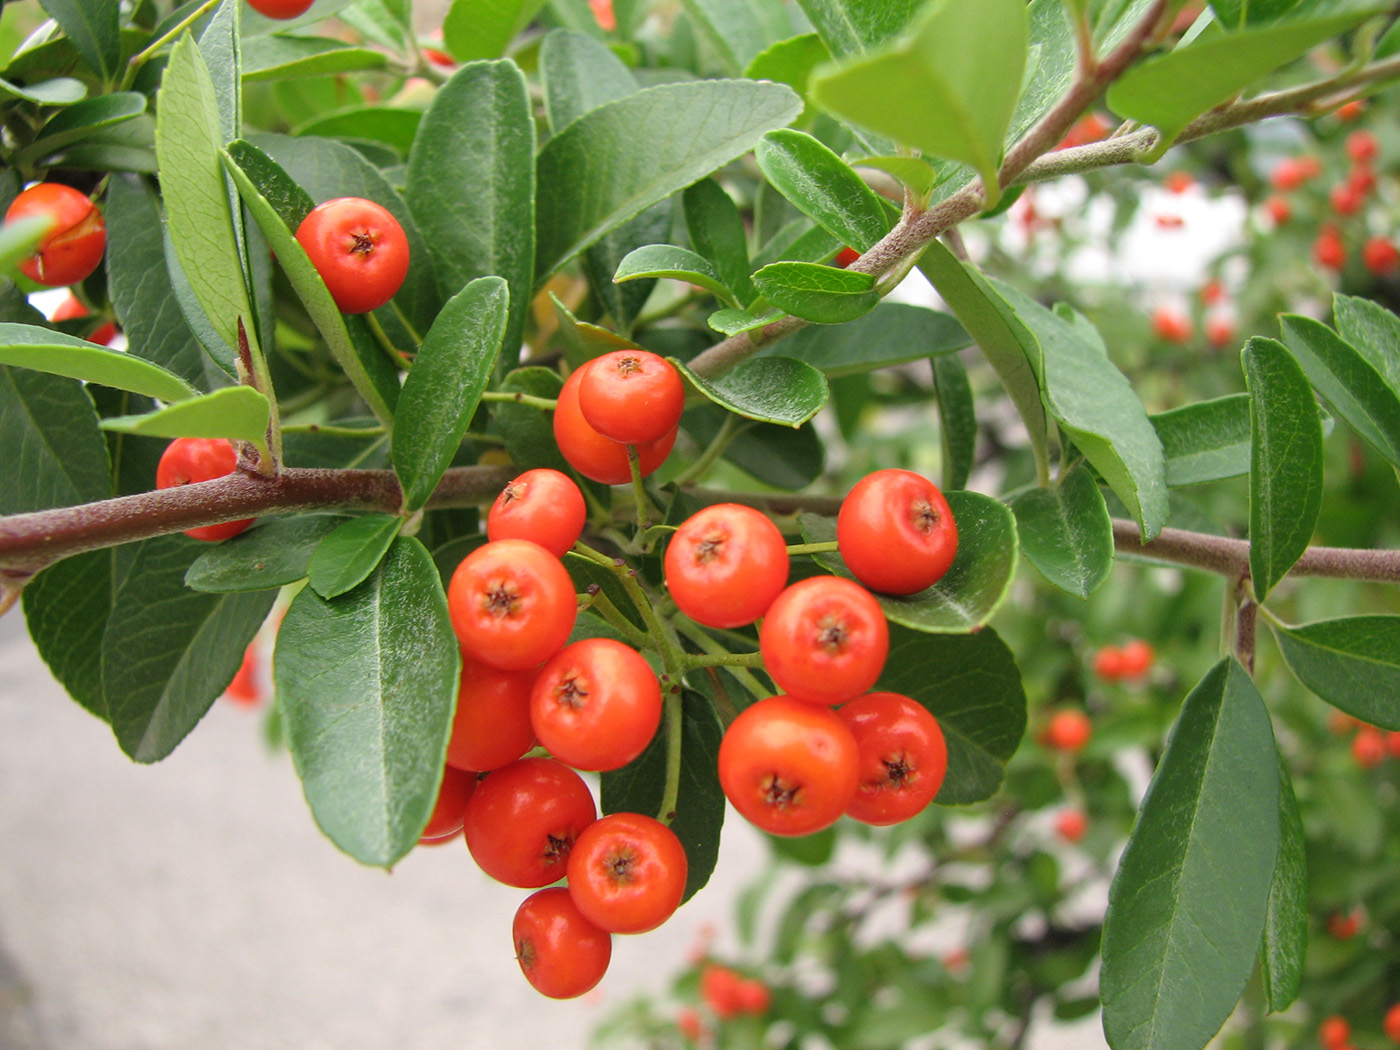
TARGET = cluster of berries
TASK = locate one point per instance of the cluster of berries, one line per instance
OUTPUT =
(1334, 1033)
(1069, 731)
(1128, 663)
(1370, 746)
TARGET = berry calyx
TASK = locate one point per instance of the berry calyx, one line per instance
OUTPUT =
(725, 565)
(359, 249)
(824, 640)
(73, 245)
(627, 872)
(186, 461)
(632, 396)
(541, 505)
(896, 533)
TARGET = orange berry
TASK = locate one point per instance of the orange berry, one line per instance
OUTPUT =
(1362, 147)
(1170, 325)
(845, 257)
(1344, 927)
(1068, 730)
(1278, 209)
(1071, 824)
(1108, 663)
(1380, 256)
(1220, 331)
(1137, 658)
(1345, 199)
(690, 1025)
(1334, 1031)
(1212, 292)
(1328, 249)
(753, 997)
(1368, 747)
(1392, 1023)
(1350, 111)
(719, 987)
(1178, 182)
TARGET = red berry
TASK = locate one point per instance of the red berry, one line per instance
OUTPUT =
(1392, 1023)
(1328, 249)
(1071, 824)
(1212, 292)
(71, 309)
(845, 257)
(627, 873)
(1169, 222)
(1350, 111)
(603, 14)
(824, 639)
(1344, 926)
(1380, 256)
(1368, 747)
(1089, 128)
(596, 704)
(1178, 182)
(560, 952)
(73, 245)
(725, 565)
(1334, 1032)
(1220, 331)
(1108, 663)
(592, 454)
(359, 249)
(439, 58)
(523, 819)
(1362, 180)
(541, 505)
(753, 997)
(903, 757)
(280, 8)
(512, 604)
(896, 532)
(689, 1023)
(632, 396)
(1362, 147)
(1171, 325)
(491, 726)
(453, 795)
(1137, 658)
(719, 987)
(1278, 209)
(1392, 743)
(1068, 730)
(186, 461)
(1345, 199)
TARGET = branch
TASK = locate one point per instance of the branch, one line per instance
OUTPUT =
(29, 542)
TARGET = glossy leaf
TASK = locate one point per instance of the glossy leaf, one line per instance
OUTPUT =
(94, 27)
(851, 26)
(367, 683)
(277, 204)
(681, 264)
(917, 173)
(195, 193)
(1066, 532)
(238, 413)
(823, 294)
(81, 121)
(283, 57)
(1050, 63)
(1205, 441)
(717, 232)
(478, 132)
(891, 334)
(1374, 332)
(639, 786)
(1010, 347)
(168, 652)
(44, 350)
(957, 417)
(393, 126)
(949, 87)
(1353, 663)
(580, 74)
(776, 455)
(1349, 383)
(1171, 90)
(973, 687)
(221, 47)
(1098, 408)
(1177, 951)
(345, 558)
(473, 29)
(732, 322)
(1285, 473)
(790, 62)
(444, 387)
(1286, 924)
(61, 91)
(739, 29)
(139, 285)
(618, 159)
(768, 389)
(1236, 13)
(66, 608)
(272, 553)
(55, 455)
(255, 24)
(823, 187)
(975, 585)
(529, 432)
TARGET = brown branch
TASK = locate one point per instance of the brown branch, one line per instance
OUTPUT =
(29, 542)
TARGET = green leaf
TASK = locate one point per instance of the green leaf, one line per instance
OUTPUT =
(949, 87)
(66, 607)
(1171, 90)
(851, 26)
(823, 187)
(94, 27)
(601, 259)
(1285, 472)
(238, 413)
(81, 121)
(580, 74)
(221, 46)
(768, 389)
(957, 417)
(1350, 384)
(681, 264)
(390, 125)
(19, 239)
(1010, 347)
(1187, 906)
(1098, 408)
(196, 319)
(814, 292)
(288, 57)
(971, 684)
(639, 786)
(739, 29)
(1205, 441)
(717, 232)
(1286, 923)
(54, 454)
(529, 432)
(168, 652)
(367, 683)
(255, 24)
(478, 132)
(195, 192)
(61, 91)
(776, 455)
(918, 174)
(1066, 532)
(345, 558)
(474, 29)
(891, 334)
(1374, 332)
(790, 62)
(975, 585)
(445, 384)
(1051, 63)
(1353, 663)
(278, 205)
(45, 350)
(1236, 13)
(271, 554)
(732, 322)
(618, 159)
